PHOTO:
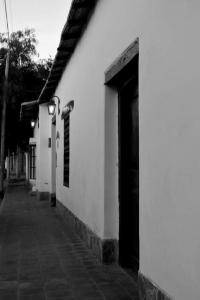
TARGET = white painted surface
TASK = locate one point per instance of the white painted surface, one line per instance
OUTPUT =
(37, 137)
(33, 184)
(33, 141)
(43, 175)
(83, 81)
(111, 201)
(53, 159)
(169, 134)
(169, 147)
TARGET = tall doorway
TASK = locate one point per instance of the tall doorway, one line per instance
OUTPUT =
(129, 168)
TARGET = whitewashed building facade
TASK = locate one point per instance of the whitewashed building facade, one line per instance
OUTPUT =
(121, 153)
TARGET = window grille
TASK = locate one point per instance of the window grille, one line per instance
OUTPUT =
(66, 149)
(32, 162)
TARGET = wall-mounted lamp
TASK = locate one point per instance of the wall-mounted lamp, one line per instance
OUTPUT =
(32, 123)
(52, 105)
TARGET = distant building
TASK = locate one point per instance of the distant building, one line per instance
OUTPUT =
(15, 164)
(29, 113)
(121, 153)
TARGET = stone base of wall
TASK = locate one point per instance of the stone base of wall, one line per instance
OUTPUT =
(41, 196)
(106, 250)
(149, 291)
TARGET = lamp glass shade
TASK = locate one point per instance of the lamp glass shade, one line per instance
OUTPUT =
(32, 124)
(51, 108)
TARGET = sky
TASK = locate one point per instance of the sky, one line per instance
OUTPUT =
(47, 17)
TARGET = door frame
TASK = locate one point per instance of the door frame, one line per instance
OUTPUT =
(114, 74)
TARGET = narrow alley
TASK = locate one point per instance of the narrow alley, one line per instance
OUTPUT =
(42, 259)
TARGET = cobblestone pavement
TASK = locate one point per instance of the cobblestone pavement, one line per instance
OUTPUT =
(42, 259)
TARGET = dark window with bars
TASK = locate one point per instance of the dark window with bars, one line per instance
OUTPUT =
(66, 149)
(32, 162)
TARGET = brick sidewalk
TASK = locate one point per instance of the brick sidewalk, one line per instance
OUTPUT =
(41, 259)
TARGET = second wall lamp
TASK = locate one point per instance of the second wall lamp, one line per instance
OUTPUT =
(52, 105)
(32, 123)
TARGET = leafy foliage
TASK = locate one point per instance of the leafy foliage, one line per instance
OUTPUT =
(27, 75)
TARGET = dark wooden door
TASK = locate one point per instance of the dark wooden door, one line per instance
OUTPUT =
(129, 174)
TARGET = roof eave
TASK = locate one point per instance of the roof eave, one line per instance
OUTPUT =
(78, 18)
(29, 110)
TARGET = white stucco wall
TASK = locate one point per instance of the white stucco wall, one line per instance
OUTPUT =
(169, 146)
(43, 151)
(169, 134)
(83, 81)
(53, 159)
(36, 136)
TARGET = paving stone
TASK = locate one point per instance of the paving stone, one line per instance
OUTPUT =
(9, 293)
(30, 291)
(87, 294)
(32, 297)
(9, 275)
(8, 285)
(41, 258)
(59, 293)
(8, 297)
(67, 297)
